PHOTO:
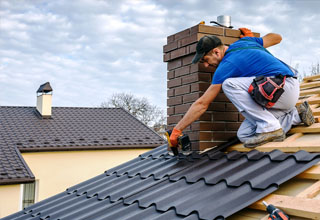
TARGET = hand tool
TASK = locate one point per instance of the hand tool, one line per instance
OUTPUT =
(275, 213)
(184, 143)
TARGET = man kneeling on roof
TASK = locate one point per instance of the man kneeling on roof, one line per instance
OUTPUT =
(264, 89)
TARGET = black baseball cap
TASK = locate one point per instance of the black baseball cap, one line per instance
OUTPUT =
(204, 45)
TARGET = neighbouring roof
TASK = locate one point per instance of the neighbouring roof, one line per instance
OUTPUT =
(156, 185)
(23, 130)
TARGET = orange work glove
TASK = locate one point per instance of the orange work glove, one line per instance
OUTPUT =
(246, 32)
(174, 137)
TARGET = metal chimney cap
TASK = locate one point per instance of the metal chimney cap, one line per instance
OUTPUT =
(45, 88)
(223, 21)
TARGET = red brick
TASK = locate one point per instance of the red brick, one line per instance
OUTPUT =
(181, 109)
(182, 34)
(191, 97)
(195, 77)
(166, 57)
(192, 48)
(200, 86)
(174, 83)
(182, 71)
(199, 67)
(205, 77)
(208, 126)
(170, 39)
(174, 101)
(193, 136)
(241, 118)
(218, 106)
(204, 145)
(210, 30)
(231, 108)
(190, 78)
(170, 47)
(232, 126)
(223, 135)
(232, 33)
(178, 52)
(205, 135)
(188, 40)
(228, 40)
(170, 75)
(174, 64)
(221, 97)
(173, 119)
(202, 135)
(206, 117)
(170, 111)
(225, 116)
(194, 29)
(182, 90)
(187, 59)
(170, 92)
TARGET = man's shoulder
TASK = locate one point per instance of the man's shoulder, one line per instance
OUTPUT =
(246, 41)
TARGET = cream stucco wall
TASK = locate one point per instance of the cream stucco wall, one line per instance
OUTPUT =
(9, 199)
(56, 171)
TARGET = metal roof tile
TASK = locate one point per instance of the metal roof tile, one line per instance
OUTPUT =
(69, 129)
(212, 185)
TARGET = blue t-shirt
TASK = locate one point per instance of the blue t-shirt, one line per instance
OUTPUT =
(249, 62)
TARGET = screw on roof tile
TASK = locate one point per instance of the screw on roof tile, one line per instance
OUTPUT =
(19, 143)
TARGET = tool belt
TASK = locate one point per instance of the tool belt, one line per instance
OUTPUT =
(267, 90)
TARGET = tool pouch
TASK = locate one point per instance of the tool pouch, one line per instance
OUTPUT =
(267, 90)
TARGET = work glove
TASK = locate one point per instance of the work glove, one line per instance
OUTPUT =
(245, 32)
(176, 133)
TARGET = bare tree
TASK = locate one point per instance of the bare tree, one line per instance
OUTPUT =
(315, 69)
(149, 114)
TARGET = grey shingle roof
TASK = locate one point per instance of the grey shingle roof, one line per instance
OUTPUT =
(22, 130)
(213, 185)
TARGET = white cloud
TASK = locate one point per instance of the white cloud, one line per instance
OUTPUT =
(91, 49)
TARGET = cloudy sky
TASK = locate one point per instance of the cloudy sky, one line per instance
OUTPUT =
(90, 49)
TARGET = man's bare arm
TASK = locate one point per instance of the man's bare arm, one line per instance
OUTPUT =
(199, 107)
(271, 39)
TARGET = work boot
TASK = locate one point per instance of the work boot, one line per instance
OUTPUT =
(305, 113)
(262, 138)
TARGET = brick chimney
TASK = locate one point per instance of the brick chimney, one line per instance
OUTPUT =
(187, 82)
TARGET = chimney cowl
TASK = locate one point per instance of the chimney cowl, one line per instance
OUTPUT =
(45, 88)
(223, 21)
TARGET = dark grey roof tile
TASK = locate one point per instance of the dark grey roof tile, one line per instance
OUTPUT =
(22, 130)
(175, 188)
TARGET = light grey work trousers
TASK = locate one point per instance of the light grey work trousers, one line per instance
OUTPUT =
(258, 119)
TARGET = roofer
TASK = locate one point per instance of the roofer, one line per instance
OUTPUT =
(264, 89)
